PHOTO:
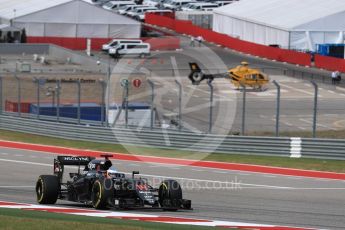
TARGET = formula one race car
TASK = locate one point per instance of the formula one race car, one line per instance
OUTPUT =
(100, 185)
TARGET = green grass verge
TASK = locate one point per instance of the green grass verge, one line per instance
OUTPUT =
(16, 219)
(310, 164)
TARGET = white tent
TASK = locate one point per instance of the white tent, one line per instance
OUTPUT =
(293, 24)
(66, 18)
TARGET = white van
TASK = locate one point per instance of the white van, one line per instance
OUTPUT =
(116, 42)
(176, 4)
(142, 50)
(114, 5)
(200, 6)
(141, 10)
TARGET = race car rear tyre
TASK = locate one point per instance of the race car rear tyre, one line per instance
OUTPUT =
(102, 193)
(47, 189)
(170, 195)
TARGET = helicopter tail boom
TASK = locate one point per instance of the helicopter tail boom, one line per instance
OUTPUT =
(196, 75)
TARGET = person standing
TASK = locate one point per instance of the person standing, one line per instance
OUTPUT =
(334, 77)
(338, 77)
(200, 39)
(192, 41)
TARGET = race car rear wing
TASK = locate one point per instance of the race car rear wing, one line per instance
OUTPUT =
(74, 160)
(61, 161)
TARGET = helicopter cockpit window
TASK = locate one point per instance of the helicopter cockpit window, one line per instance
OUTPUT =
(261, 77)
(251, 77)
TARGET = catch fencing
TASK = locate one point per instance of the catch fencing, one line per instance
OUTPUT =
(42, 98)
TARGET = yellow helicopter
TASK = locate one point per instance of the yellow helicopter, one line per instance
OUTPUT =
(241, 75)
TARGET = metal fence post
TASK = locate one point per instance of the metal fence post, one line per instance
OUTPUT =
(209, 82)
(315, 107)
(179, 105)
(278, 107)
(37, 81)
(126, 111)
(243, 109)
(152, 100)
(58, 87)
(78, 100)
(108, 94)
(1, 95)
(103, 84)
(19, 97)
(19, 107)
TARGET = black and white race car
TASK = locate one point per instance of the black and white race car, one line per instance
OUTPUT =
(100, 185)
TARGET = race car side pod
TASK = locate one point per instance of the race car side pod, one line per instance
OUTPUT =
(196, 75)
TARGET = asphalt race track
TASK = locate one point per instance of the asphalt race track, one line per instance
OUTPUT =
(216, 194)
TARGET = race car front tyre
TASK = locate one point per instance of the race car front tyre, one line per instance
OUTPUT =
(102, 193)
(47, 189)
(170, 195)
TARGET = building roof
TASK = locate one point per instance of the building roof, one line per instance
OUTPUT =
(60, 11)
(16, 8)
(284, 14)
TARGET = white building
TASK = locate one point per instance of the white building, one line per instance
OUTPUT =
(293, 24)
(66, 19)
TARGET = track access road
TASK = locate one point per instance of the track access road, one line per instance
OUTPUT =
(215, 194)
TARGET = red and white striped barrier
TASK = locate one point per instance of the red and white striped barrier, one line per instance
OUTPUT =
(143, 217)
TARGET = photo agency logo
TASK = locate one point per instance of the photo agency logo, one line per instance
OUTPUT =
(154, 104)
(187, 184)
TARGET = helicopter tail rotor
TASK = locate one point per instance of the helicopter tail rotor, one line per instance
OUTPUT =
(196, 75)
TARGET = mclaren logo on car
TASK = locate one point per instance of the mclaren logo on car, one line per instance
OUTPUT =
(76, 158)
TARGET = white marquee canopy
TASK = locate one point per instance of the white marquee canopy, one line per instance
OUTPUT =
(66, 18)
(294, 24)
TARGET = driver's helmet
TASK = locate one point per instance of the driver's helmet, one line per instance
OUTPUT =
(112, 172)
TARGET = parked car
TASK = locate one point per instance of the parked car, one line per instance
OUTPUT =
(125, 9)
(116, 42)
(113, 5)
(222, 3)
(154, 3)
(176, 4)
(141, 10)
(142, 50)
(141, 17)
(214, 1)
(200, 6)
(100, 2)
